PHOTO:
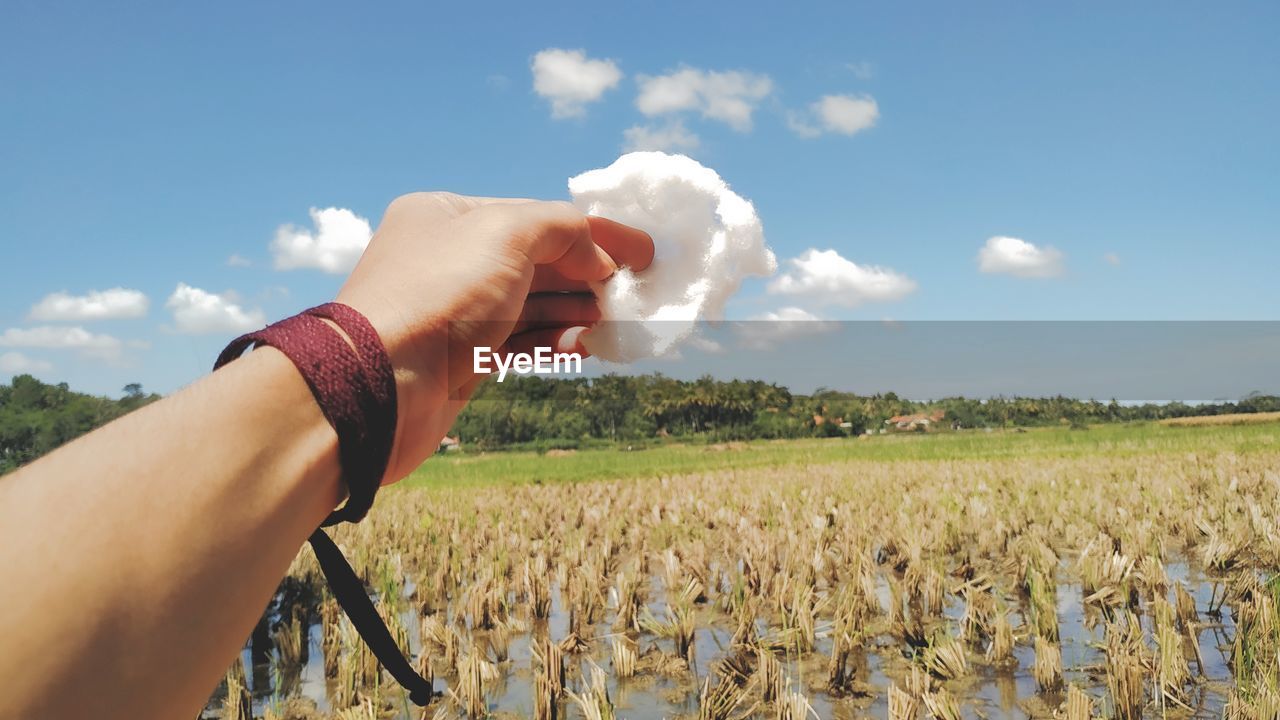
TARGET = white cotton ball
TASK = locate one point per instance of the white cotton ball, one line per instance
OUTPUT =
(706, 238)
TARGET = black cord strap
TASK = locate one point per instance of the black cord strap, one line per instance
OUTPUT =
(356, 391)
(355, 602)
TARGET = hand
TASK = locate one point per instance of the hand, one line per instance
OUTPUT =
(445, 274)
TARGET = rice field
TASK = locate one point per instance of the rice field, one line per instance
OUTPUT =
(1120, 572)
(1228, 419)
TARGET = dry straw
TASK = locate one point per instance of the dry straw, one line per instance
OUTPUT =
(942, 705)
(793, 705)
(593, 702)
(723, 700)
(945, 658)
(902, 706)
(625, 655)
(238, 703)
(833, 570)
(1079, 704)
(769, 676)
(1001, 650)
(475, 674)
(1048, 665)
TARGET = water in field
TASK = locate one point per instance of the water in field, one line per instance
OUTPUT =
(986, 692)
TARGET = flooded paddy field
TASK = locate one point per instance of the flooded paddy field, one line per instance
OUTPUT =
(1121, 581)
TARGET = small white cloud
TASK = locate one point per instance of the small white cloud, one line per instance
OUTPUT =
(730, 97)
(863, 70)
(1111, 258)
(1013, 256)
(238, 260)
(802, 125)
(52, 337)
(705, 344)
(199, 312)
(498, 81)
(672, 137)
(15, 363)
(110, 304)
(841, 114)
(847, 114)
(830, 279)
(767, 331)
(571, 80)
(787, 314)
(335, 246)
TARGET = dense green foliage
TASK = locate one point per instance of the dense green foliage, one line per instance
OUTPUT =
(543, 413)
(36, 418)
(563, 413)
(536, 413)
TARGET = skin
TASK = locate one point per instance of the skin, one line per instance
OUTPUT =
(136, 560)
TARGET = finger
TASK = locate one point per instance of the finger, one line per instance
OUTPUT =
(557, 310)
(551, 233)
(628, 246)
(547, 279)
(559, 339)
(451, 201)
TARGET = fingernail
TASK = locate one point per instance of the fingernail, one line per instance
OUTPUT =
(608, 261)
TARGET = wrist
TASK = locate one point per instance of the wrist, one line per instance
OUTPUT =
(417, 347)
(351, 379)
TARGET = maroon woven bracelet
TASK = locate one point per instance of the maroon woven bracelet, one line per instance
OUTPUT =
(355, 392)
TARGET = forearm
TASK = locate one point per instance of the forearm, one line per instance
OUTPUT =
(141, 555)
(135, 561)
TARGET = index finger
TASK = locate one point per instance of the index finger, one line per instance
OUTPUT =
(628, 246)
(559, 235)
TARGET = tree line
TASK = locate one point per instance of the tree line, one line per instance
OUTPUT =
(545, 413)
(36, 417)
(566, 413)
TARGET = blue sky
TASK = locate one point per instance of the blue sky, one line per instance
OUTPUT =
(141, 148)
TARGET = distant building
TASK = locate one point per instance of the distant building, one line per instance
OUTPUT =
(449, 444)
(919, 421)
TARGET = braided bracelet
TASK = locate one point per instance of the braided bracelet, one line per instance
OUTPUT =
(356, 392)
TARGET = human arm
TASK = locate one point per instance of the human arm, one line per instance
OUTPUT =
(136, 560)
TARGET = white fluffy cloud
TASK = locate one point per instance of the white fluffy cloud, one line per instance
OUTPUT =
(339, 238)
(571, 80)
(1013, 256)
(199, 312)
(768, 330)
(95, 305)
(842, 114)
(707, 240)
(15, 363)
(238, 260)
(730, 97)
(829, 279)
(671, 137)
(51, 337)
